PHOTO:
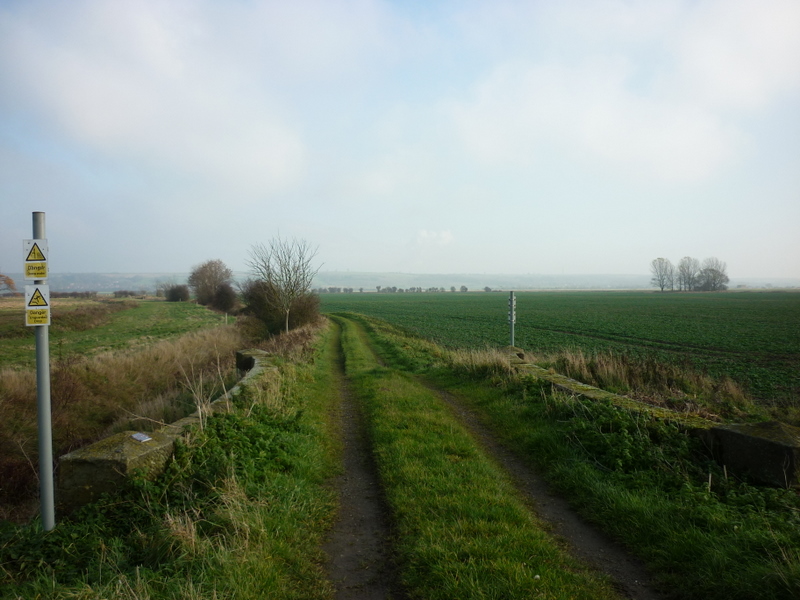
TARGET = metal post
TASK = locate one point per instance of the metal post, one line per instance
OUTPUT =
(512, 314)
(42, 332)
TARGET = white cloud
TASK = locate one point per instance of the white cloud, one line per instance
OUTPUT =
(646, 87)
(739, 54)
(200, 90)
(523, 110)
(434, 238)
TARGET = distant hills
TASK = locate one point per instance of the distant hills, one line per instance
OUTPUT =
(111, 282)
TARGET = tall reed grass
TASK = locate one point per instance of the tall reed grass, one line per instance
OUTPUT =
(661, 383)
(93, 396)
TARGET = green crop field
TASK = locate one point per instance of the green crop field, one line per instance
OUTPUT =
(754, 338)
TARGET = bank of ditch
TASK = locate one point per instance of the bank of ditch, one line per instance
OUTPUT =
(240, 512)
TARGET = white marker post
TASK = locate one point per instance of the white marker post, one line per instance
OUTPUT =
(37, 314)
(512, 314)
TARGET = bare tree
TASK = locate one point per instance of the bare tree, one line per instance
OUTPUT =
(688, 268)
(285, 269)
(712, 277)
(207, 278)
(663, 274)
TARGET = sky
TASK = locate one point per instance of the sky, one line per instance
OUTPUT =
(464, 136)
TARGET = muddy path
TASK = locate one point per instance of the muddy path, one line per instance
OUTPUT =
(359, 554)
(361, 563)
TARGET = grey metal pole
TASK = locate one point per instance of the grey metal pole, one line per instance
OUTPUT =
(42, 332)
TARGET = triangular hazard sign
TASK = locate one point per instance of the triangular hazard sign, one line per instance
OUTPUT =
(37, 299)
(35, 254)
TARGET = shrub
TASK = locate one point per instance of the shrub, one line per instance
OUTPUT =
(224, 298)
(304, 309)
(177, 293)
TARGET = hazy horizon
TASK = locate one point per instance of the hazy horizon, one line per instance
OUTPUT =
(110, 282)
(503, 136)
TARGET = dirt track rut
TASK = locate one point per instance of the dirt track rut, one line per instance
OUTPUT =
(360, 560)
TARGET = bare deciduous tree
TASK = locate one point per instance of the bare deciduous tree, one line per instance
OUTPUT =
(285, 269)
(207, 278)
(688, 268)
(663, 274)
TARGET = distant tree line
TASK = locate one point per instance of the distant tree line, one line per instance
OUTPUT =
(84, 295)
(689, 275)
(336, 290)
(391, 289)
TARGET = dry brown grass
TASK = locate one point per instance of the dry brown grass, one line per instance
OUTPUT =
(91, 396)
(481, 362)
(660, 383)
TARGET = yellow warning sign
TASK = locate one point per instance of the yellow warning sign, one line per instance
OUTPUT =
(37, 304)
(37, 299)
(35, 270)
(35, 254)
(37, 316)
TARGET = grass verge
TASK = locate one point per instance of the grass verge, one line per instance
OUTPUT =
(240, 512)
(461, 530)
(703, 533)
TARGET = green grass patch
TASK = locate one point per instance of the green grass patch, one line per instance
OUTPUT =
(642, 480)
(461, 530)
(240, 512)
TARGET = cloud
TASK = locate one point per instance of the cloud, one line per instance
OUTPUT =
(434, 238)
(648, 88)
(739, 54)
(202, 91)
(524, 110)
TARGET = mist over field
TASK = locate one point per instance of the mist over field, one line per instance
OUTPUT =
(111, 282)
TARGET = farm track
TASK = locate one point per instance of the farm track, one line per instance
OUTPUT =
(360, 563)
(358, 556)
(583, 540)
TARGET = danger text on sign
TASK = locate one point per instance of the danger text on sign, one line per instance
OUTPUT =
(39, 316)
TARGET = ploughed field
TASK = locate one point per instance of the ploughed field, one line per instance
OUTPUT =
(751, 337)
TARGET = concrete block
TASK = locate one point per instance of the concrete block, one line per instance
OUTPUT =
(86, 473)
(247, 359)
(768, 452)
